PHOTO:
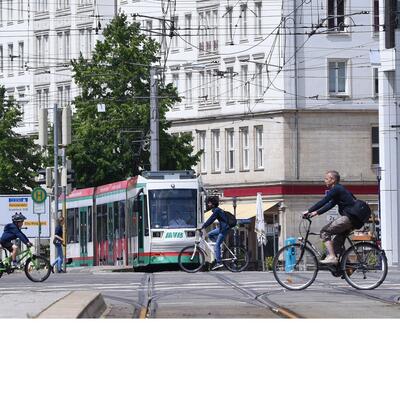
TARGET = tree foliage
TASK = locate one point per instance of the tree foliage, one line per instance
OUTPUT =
(112, 145)
(20, 157)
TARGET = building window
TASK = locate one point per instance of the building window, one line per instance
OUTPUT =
(60, 96)
(376, 81)
(243, 21)
(175, 40)
(375, 145)
(376, 16)
(229, 25)
(336, 15)
(216, 151)
(229, 84)
(149, 27)
(21, 61)
(258, 139)
(203, 88)
(175, 81)
(230, 150)
(259, 80)
(258, 22)
(10, 8)
(188, 89)
(337, 77)
(244, 148)
(10, 59)
(1, 12)
(67, 51)
(188, 30)
(20, 10)
(1, 60)
(203, 148)
(244, 82)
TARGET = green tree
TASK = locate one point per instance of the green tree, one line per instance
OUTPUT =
(20, 157)
(112, 145)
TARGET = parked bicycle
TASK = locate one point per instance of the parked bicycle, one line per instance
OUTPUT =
(193, 258)
(363, 264)
(37, 268)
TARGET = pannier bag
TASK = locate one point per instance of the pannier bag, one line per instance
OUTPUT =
(360, 211)
(230, 219)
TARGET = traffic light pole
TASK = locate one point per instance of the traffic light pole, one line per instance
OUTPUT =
(56, 133)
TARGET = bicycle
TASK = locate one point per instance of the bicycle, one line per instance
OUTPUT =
(363, 264)
(193, 258)
(37, 268)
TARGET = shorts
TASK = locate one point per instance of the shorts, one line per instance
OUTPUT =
(7, 245)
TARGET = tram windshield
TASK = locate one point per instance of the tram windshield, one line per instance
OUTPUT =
(173, 208)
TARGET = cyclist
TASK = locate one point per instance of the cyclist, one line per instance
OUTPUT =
(216, 235)
(13, 231)
(340, 227)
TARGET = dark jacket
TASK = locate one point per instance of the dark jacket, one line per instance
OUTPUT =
(217, 214)
(12, 232)
(338, 195)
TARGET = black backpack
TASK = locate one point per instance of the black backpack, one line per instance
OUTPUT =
(230, 219)
(360, 212)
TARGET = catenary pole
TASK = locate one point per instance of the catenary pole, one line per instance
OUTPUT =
(154, 123)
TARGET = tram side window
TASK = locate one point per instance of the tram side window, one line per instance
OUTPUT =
(122, 219)
(101, 222)
(70, 225)
(116, 220)
(73, 225)
(90, 224)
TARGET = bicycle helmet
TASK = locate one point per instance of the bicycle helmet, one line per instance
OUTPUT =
(18, 217)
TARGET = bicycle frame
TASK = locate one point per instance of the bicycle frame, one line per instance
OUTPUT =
(209, 250)
(6, 262)
(306, 242)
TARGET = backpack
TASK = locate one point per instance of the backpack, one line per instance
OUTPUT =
(360, 211)
(230, 219)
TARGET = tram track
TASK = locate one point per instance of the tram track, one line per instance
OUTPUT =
(259, 299)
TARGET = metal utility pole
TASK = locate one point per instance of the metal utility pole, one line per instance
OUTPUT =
(56, 133)
(154, 123)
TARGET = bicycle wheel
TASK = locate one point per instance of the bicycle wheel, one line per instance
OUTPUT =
(37, 268)
(236, 259)
(364, 266)
(295, 266)
(191, 259)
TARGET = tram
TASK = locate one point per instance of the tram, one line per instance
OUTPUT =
(140, 222)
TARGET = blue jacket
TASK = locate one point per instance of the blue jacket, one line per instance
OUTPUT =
(217, 214)
(12, 232)
(338, 195)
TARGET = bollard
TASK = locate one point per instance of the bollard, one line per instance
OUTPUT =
(290, 254)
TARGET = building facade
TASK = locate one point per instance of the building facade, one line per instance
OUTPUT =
(274, 93)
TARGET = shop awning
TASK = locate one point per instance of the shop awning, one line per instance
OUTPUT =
(245, 210)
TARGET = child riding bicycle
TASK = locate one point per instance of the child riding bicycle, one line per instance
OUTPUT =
(11, 232)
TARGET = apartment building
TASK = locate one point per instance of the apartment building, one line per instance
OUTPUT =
(275, 93)
(38, 38)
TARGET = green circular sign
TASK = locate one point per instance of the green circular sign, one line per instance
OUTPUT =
(39, 195)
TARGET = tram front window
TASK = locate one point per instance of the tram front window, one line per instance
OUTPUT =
(173, 208)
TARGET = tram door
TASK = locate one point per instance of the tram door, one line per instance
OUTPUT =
(83, 232)
(110, 233)
(139, 209)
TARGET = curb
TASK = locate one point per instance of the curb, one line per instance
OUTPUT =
(77, 304)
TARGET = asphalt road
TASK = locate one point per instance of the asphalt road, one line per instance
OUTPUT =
(175, 294)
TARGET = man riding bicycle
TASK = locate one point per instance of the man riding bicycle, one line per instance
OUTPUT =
(340, 227)
(13, 231)
(217, 235)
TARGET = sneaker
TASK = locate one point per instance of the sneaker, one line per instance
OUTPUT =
(15, 265)
(216, 266)
(329, 260)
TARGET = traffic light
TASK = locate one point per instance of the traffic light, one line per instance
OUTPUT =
(45, 177)
(71, 176)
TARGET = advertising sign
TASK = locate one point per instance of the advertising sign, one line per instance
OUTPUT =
(11, 204)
